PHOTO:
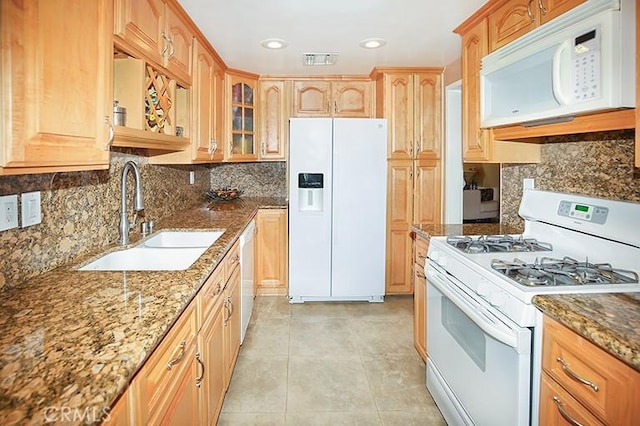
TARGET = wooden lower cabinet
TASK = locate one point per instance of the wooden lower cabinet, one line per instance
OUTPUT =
(119, 414)
(583, 383)
(420, 246)
(213, 385)
(185, 379)
(231, 322)
(271, 252)
(164, 389)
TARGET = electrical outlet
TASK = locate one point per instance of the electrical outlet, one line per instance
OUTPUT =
(8, 212)
(192, 177)
(528, 183)
(31, 211)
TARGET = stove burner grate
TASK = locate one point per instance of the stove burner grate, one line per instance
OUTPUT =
(548, 271)
(497, 244)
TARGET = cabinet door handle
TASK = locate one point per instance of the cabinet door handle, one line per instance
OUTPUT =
(411, 149)
(564, 413)
(543, 9)
(174, 361)
(166, 44)
(226, 308)
(216, 291)
(478, 137)
(112, 132)
(421, 256)
(199, 379)
(420, 274)
(335, 107)
(231, 307)
(574, 376)
(172, 49)
(230, 147)
(529, 12)
(264, 149)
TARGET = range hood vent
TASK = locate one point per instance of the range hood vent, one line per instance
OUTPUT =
(317, 59)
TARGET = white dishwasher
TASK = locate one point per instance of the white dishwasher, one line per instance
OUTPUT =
(246, 276)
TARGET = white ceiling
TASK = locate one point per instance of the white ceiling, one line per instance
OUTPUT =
(418, 32)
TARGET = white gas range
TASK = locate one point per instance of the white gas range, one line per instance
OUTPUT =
(483, 333)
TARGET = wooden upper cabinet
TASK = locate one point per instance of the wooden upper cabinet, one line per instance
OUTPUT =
(351, 99)
(550, 9)
(412, 105)
(241, 107)
(220, 111)
(141, 23)
(398, 92)
(159, 31)
(428, 115)
(510, 21)
(273, 118)
(56, 71)
(475, 141)
(514, 18)
(312, 99)
(324, 98)
(203, 141)
(179, 39)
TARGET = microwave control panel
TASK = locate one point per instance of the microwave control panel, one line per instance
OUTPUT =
(589, 213)
(585, 57)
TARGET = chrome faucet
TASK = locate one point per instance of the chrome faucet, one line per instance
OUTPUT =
(138, 204)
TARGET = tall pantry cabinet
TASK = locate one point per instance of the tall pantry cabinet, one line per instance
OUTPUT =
(411, 100)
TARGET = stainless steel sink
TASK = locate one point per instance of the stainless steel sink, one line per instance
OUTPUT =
(165, 251)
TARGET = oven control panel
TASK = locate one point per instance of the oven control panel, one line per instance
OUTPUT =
(586, 212)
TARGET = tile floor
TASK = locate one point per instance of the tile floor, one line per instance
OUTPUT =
(329, 364)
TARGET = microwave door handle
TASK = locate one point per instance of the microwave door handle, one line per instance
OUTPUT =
(498, 331)
(558, 93)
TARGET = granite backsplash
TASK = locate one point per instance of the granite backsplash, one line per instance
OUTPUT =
(268, 179)
(597, 165)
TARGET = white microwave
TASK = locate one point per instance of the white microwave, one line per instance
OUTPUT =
(580, 62)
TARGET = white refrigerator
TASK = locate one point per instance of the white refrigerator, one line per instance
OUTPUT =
(337, 209)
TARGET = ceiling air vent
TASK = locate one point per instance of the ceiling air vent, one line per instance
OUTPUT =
(317, 59)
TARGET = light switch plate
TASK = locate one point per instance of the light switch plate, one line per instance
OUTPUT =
(8, 212)
(31, 210)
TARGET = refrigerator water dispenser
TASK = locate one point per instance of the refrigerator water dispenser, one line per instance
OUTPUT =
(310, 192)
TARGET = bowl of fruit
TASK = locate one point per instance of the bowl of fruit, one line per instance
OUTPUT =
(224, 194)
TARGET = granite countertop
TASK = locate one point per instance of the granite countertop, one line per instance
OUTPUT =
(610, 321)
(74, 339)
(439, 229)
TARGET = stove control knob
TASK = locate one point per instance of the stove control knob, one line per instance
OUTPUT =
(498, 299)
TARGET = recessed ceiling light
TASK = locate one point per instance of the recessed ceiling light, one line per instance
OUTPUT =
(273, 43)
(372, 43)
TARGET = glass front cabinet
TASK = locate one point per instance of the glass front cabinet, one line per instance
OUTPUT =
(242, 135)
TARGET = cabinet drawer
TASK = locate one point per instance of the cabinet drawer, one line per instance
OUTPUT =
(422, 246)
(157, 382)
(210, 293)
(557, 406)
(232, 259)
(600, 382)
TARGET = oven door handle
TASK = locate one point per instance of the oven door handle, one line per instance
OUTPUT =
(498, 330)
